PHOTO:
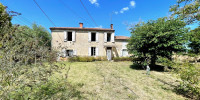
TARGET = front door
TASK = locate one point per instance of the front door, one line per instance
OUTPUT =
(109, 55)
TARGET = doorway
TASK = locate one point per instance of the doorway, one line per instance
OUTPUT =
(109, 53)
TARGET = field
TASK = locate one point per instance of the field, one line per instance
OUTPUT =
(121, 80)
(100, 80)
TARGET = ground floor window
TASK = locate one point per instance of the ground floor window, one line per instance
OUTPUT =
(69, 53)
(93, 51)
(124, 52)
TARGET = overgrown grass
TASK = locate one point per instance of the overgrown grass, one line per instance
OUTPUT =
(101, 80)
(119, 81)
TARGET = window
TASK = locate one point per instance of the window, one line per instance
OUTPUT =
(108, 37)
(69, 53)
(69, 36)
(93, 51)
(93, 37)
(124, 53)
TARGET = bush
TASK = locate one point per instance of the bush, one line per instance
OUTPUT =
(38, 83)
(86, 59)
(165, 62)
(190, 76)
(122, 59)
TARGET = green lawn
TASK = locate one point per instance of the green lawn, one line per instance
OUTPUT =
(118, 81)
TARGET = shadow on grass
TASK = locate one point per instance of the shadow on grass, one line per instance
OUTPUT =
(158, 68)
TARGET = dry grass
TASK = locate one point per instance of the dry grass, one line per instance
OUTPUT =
(117, 81)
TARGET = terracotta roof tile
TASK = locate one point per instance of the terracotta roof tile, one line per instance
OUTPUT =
(122, 37)
(78, 28)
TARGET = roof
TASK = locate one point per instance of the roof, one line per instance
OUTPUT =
(81, 29)
(122, 37)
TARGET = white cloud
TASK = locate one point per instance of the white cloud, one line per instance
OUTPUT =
(124, 9)
(116, 12)
(99, 26)
(131, 6)
(95, 2)
(132, 3)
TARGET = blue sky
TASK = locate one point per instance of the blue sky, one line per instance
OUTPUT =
(124, 12)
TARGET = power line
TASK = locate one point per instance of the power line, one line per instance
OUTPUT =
(45, 13)
(73, 11)
(47, 17)
(88, 13)
(18, 17)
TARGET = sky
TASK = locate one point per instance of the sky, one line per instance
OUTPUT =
(69, 13)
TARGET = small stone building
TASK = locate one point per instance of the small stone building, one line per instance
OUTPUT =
(81, 41)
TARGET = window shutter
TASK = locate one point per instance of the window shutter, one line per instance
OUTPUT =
(89, 51)
(74, 52)
(97, 51)
(112, 37)
(64, 52)
(121, 55)
(105, 37)
(65, 35)
(97, 37)
(73, 36)
(89, 36)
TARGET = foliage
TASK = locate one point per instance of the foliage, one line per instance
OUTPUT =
(39, 82)
(5, 20)
(165, 62)
(190, 76)
(155, 38)
(194, 40)
(122, 59)
(187, 10)
(86, 59)
(22, 49)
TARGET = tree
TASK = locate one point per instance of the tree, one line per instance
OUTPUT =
(194, 40)
(155, 38)
(36, 32)
(5, 20)
(187, 10)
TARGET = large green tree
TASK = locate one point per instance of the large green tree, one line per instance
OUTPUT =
(155, 38)
(194, 40)
(188, 10)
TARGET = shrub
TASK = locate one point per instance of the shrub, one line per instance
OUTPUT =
(165, 62)
(86, 59)
(190, 76)
(122, 59)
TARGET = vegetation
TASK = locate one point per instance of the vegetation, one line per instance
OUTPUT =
(92, 80)
(190, 76)
(187, 10)
(23, 73)
(38, 82)
(156, 38)
(194, 41)
(86, 59)
(122, 59)
(28, 67)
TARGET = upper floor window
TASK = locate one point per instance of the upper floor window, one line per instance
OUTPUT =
(69, 36)
(93, 36)
(108, 37)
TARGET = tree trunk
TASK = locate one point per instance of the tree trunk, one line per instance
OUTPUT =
(153, 62)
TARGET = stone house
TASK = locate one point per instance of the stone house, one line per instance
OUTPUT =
(81, 41)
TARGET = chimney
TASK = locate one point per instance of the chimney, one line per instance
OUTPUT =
(81, 25)
(111, 26)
